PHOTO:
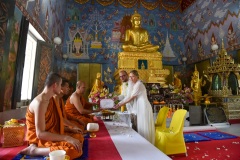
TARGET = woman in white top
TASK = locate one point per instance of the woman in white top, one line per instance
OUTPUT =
(141, 107)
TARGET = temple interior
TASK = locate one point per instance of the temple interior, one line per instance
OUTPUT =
(187, 52)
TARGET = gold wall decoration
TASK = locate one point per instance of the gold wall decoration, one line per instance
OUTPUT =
(104, 2)
(169, 6)
(152, 72)
(223, 66)
(81, 1)
(128, 4)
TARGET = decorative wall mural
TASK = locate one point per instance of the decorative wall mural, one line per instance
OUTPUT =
(46, 23)
(36, 11)
(168, 53)
(201, 52)
(77, 46)
(12, 56)
(232, 38)
(108, 75)
(207, 23)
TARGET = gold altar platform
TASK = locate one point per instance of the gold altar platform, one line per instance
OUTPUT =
(148, 65)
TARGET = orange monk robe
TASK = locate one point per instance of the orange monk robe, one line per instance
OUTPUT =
(72, 111)
(54, 124)
(61, 106)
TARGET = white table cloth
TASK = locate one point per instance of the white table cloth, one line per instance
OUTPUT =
(131, 145)
(124, 117)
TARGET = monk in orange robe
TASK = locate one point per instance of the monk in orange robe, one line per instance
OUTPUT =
(77, 107)
(45, 126)
(70, 126)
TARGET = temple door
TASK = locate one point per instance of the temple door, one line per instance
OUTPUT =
(87, 73)
(43, 65)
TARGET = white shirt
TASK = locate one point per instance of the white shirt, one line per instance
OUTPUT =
(125, 94)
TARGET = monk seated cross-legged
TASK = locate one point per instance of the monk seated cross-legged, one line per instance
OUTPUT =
(70, 127)
(77, 107)
(45, 124)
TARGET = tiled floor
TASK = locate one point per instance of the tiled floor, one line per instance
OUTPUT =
(232, 129)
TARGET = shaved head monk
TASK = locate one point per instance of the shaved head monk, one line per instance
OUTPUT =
(69, 126)
(77, 107)
(45, 126)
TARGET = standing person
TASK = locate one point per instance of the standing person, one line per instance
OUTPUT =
(78, 108)
(45, 128)
(141, 107)
(74, 126)
(124, 89)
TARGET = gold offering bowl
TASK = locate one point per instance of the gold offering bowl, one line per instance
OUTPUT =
(92, 134)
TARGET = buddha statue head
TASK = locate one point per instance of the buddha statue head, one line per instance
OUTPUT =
(136, 19)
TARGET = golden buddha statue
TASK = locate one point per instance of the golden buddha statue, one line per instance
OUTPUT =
(139, 54)
(136, 38)
(196, 84)
(177, 83)
(98, 86)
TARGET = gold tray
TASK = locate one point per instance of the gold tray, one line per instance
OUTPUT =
(108, 113)
(108, 116)
(66, 158)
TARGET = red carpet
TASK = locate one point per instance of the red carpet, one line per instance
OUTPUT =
(10, 153)
(214, 149)
(102, 147)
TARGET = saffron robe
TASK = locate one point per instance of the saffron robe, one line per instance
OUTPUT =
(54, 124)
(62, 107)
(72, 111)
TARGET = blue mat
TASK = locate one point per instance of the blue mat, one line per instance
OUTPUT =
(217, 135)
(193, 137)
(84, 156)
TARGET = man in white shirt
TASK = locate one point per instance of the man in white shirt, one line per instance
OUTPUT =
(124, 87)
(125, 93)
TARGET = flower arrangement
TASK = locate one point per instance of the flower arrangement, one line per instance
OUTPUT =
(186, 95)
(96, 96)
(154, 89)
(104, 94)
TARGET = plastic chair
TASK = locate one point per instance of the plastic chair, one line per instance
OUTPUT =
(171, 141)
(160, 123)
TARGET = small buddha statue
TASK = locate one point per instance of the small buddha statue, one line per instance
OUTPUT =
(196, 84)
(177, 83)
(98, 86)
(137, 38)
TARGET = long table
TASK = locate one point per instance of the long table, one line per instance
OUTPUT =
(127, 144)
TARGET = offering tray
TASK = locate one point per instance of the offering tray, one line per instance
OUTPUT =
(107, 115)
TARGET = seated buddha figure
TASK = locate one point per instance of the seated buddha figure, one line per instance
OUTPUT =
(98, 86)
(137, 38)
(177, 83)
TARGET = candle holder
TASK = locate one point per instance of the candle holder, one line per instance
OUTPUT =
(92, 134)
